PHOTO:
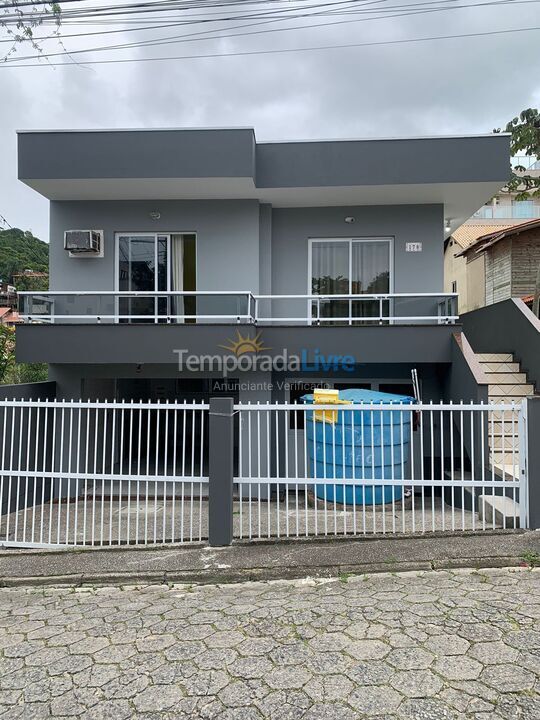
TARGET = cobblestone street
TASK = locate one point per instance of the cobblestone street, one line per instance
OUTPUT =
(434, 645)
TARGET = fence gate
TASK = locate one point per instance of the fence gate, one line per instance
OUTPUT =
(368, 469)
(102, 473)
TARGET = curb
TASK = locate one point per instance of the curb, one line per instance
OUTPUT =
(211, 577)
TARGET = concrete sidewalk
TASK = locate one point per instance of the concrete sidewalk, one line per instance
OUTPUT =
(266, 560)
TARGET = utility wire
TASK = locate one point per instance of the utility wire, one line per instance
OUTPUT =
(161, 6)
(250, 53)
(196, 37)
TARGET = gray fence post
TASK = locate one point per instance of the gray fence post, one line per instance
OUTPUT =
(533, 460)
(220, 477)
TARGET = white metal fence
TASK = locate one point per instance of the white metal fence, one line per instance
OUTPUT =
(102, 473)
(112, 473)
(368, 469)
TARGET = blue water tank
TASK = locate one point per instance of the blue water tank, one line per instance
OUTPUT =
(364, 445)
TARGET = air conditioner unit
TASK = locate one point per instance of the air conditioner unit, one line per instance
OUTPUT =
(84, 243)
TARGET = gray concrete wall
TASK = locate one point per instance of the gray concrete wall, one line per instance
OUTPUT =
(29, 391)
(137, 153)
(382, 162)
(413, 271)
(142, 344)
(221, 153)
(227, 240)
(507, 327)
(233, 241)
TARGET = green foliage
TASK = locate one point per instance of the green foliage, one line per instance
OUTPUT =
(19, 251)
(525, 140)
(12, 372)
(7, 352)
(20, 22)
(532, 558)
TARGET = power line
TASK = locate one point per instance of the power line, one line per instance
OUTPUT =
(250, 53)
(196, 37)
(157, 7)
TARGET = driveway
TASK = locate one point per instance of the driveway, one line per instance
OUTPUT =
(460, 644)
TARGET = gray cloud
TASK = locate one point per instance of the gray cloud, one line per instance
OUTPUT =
(444, 87)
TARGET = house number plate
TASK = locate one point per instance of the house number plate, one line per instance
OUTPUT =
(413, 247)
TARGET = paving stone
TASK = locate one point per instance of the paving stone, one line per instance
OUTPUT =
(67, 704)
(414, 658)
(493, 653)
(427, 709)
(158, 698)
(375, 700)
(330, 711)
(287, 678)
(328, 642)
(458, 667)
(235, 694)
(508, 678)
(284, 705)
(248, 668)
(367, 649)
(370, 673)
(416, 683)
(112, 710)
(447, 645)
(416, 646)
(206, 682)
(328, 688)
(88, 646)
(240, 714)
(154, 643)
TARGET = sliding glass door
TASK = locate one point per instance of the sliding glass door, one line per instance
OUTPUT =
(155, 262)
(356, 266)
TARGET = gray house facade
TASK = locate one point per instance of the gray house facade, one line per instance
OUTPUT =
(322, 259)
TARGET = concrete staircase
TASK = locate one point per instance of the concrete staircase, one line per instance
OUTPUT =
(507, 383)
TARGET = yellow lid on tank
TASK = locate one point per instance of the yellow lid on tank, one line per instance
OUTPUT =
(327, 396)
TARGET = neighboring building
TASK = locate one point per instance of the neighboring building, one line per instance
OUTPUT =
(492, 265)
(31, 280)
(465, 275)
(8, 316)
(465, 272)
(504, 206)
(8, 296)
(205, 238)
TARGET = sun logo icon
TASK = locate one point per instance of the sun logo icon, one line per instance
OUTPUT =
(247, 344)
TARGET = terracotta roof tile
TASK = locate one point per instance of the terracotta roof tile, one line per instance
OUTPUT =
(467, 235)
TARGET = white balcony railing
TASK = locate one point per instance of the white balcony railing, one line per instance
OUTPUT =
(241, 307)
(525, 210)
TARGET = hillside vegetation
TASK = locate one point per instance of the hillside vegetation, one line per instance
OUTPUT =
(19, 251)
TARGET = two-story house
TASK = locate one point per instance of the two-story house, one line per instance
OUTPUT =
(329, 251)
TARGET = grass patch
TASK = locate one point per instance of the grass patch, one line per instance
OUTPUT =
(532, 558)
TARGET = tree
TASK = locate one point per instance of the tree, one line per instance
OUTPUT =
(525, 140)
(7, 352)
(20, 251)
(21, 17)
(12, 372)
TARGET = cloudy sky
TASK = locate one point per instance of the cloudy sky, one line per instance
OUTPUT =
(466, 85)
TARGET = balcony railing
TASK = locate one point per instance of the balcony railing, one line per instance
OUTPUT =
(520, 211)
(242, 307)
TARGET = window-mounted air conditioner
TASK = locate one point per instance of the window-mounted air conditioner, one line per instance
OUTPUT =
(84, 243)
